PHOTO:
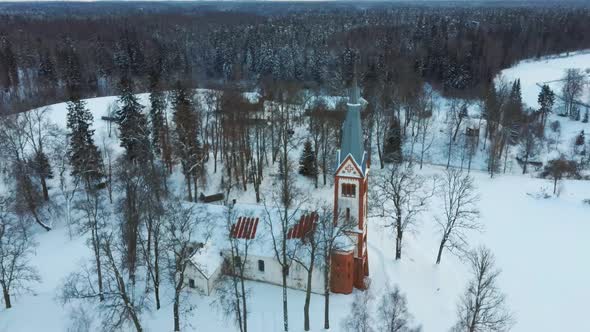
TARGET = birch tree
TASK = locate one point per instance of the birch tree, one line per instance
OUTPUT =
(482, 308)
(460, 214)
(400, 196)
(16, 248)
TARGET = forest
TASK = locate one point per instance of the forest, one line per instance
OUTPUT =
(459, 48)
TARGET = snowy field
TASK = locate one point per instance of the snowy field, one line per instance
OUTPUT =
(547, 71)
(541, 245)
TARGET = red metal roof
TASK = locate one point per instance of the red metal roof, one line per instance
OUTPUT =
(305, 225)
(244, 228)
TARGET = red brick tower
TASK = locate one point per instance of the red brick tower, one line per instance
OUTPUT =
(350, 264)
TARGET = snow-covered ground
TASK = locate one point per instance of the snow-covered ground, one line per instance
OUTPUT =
(549, 71)
(540, 244)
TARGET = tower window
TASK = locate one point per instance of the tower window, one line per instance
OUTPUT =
(348, 190)
(347, 214)
(191, 283)
(260, 265)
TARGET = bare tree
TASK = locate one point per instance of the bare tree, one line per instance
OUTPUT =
(185, 234)
(457, 113)
(460, 215)
(401, 196)
(482, 307)
(333, 231)
(393, 312)
(573, 86)
(68, 185)
(122, 304)
(14, 143)
(425, 136)
(94, 218)
(529, 143)
(40, 132)
(558, 168)
(285, 203)
(16, 248)
(308, 254)
(281, 217)
(232, 292)
(359, 319)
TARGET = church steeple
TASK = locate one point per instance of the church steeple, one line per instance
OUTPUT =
(351, 263)
(352, 134)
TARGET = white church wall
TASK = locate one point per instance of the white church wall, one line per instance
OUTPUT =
(272, 274)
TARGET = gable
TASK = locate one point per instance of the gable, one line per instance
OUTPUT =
(349, 168)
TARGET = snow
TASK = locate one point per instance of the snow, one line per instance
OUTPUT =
(551, 71)
(547, 70)
(540, 244)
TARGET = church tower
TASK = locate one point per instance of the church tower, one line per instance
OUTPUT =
(350, 263)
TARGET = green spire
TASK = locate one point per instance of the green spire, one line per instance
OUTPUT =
(351, 129)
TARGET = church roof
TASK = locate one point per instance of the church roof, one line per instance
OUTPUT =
(352, 141)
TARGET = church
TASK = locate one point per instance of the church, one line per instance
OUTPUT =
(349, 255)
(350, 265)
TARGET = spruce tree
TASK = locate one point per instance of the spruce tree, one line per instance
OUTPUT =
(133, 126)
(188, 147)
(392, 147)
(546, 100)
(158, 107)
(83, 154)
(307, 162)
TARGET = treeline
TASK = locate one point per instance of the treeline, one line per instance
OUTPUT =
(457, 49)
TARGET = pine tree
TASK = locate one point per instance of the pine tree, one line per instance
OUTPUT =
(83, 154)
(133, 127)
(39, 163)
(546, 100)
(392, 147)
(514, 111)
(188, 147)
(580, 139)
(158, 107)
(307, 162)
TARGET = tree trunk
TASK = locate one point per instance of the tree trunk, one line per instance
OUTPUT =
(449, 152)
(44, 186)
(244, 307)
(308, 290)
(327, 297)
(156, 273)
(96, 245)
(188, 186)
(440, 250)
(177, 312)
(285, 307)
(7, 302)
(398, 245)
(195, 197)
